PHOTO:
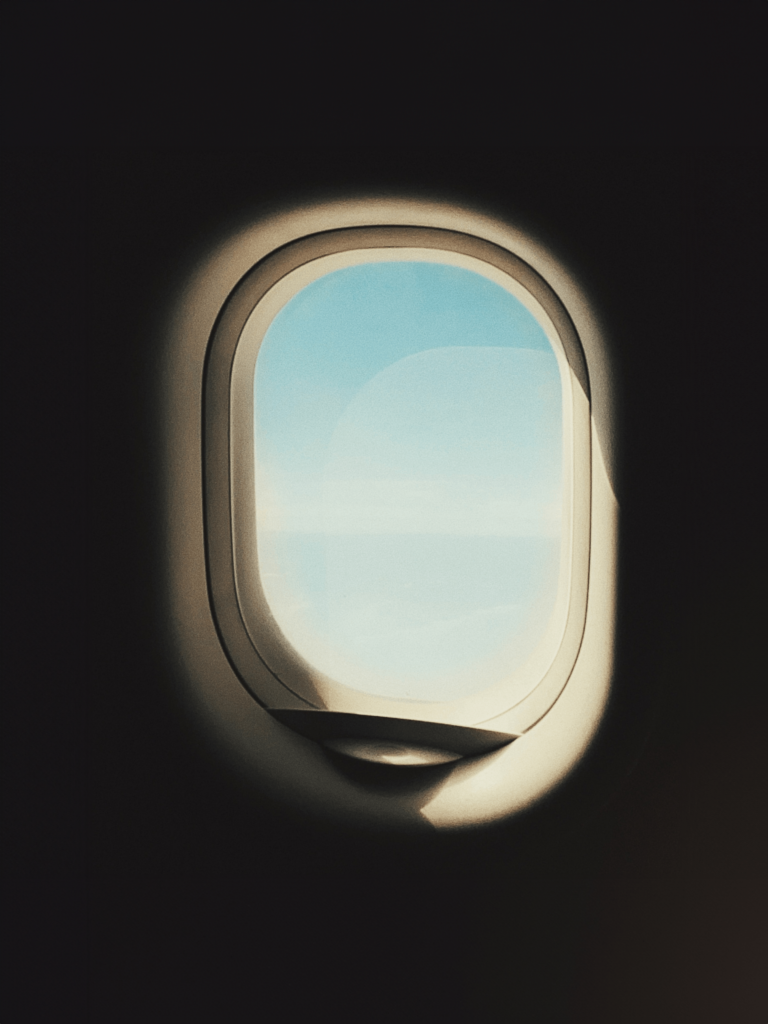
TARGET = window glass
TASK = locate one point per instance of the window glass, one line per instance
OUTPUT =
(409, 479)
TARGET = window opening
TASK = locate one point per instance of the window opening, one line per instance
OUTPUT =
(408, 446)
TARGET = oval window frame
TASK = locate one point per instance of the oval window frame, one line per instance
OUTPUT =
(264, 662)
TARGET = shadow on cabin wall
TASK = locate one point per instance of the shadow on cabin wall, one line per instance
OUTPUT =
(634, 892)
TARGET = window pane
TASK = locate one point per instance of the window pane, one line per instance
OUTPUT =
(408, 442)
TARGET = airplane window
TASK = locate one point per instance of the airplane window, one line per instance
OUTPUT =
(408, 445)
(391, 521)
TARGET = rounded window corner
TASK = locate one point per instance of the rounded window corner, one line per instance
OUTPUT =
(383, 423)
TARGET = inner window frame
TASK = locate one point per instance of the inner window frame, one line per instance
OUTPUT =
(265, 663)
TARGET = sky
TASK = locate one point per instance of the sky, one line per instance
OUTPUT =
(408, 444)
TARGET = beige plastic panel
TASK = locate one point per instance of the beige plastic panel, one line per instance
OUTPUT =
(280, 763)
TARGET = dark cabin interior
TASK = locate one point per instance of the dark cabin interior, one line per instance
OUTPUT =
(152, 885)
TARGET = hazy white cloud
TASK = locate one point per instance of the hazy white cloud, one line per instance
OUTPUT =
(460, 507)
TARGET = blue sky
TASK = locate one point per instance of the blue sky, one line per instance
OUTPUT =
(408, 400)
(395, 390)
